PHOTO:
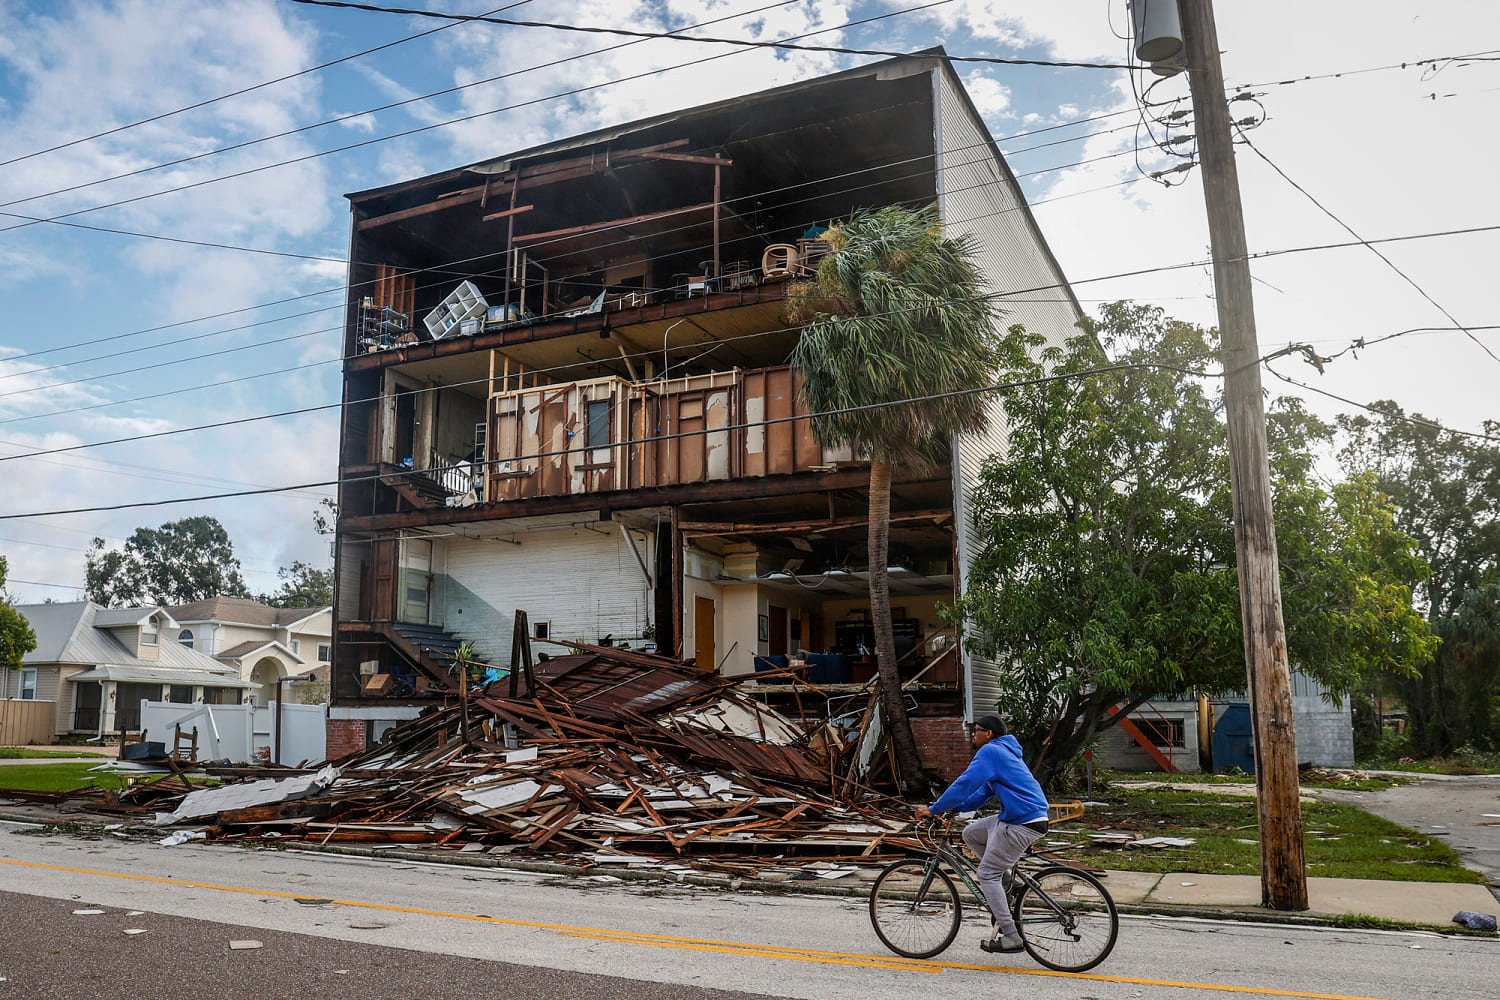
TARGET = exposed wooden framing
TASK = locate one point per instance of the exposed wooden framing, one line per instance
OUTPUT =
(629, 365)
(686, 493)
(550, 173)
(718, 159)
(508, 212)
(612, 224)
(698, 528)
(448, 201)
(510, 241)
(640, 560)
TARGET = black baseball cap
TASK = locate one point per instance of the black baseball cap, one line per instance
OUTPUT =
(993, 723)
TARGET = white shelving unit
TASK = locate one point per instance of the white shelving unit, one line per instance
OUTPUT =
(464, 302)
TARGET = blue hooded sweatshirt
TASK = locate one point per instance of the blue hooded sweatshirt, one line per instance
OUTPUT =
(997, 771)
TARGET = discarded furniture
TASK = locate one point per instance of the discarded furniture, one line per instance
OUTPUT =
(779, 261)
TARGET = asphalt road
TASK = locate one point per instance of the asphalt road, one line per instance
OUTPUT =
(48, 953)
(402, 929)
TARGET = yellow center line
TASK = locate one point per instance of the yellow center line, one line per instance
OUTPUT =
(823, 958)
(704, 944)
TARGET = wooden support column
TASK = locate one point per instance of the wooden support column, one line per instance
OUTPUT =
(510, 237)
(718, 175)
(676, 584)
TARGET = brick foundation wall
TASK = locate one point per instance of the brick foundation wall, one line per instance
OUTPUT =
(345, 736)
(943, 743)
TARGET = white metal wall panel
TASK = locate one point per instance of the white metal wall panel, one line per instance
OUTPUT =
(583, 581)
(978, 198)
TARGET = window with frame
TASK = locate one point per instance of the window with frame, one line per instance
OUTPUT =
(325, 652)
(596, 432)
(1163, 733)
(185, 637)
(296, 647)
(27, 690)
(150, 633)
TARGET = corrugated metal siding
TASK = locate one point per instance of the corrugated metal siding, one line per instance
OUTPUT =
(586, 584)
(977, 199)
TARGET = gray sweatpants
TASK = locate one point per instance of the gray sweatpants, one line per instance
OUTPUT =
(998, 846)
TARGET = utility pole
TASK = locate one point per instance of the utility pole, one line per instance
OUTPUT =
(1283, 873)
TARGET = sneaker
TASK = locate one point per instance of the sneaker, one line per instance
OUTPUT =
(1004, 944)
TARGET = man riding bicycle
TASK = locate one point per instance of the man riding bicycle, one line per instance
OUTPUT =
(999, 772)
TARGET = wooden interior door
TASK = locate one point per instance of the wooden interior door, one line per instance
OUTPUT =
(778, 631)
(703, 633)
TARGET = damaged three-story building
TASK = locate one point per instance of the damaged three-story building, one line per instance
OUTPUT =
(567, 391)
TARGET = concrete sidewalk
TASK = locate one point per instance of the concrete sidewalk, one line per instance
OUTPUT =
(1413, 902)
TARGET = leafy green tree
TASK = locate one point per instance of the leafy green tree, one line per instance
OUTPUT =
(302, 586)
(896, 315)
(1446, 490)
(1106, 573)
(16, 635)
(183, 561)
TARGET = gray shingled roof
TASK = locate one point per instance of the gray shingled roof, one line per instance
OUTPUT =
(239, 611)
(71, 633)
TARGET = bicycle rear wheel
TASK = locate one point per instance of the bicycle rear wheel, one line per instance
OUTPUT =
(1067, 919)
(915, 911)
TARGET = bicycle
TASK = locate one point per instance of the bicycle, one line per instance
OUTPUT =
(1066, 917)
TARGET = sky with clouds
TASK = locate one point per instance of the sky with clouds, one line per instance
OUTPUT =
(122, 321)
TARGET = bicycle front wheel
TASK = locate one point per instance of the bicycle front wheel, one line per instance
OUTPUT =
(914, 908)
(1067, 919)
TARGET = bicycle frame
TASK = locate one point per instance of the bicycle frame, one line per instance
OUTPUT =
(941, 851)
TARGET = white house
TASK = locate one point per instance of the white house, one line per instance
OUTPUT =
(263, 644)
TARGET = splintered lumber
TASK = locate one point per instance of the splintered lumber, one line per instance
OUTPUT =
(618, 755)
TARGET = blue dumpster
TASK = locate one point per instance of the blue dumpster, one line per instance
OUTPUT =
(1233, 740)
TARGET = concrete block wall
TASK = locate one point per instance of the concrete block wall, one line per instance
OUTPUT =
(345, 736)
(1325, 734)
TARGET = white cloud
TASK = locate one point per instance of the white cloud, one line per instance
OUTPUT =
(992, 99)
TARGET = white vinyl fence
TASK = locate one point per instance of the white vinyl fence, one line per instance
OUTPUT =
(242, 733)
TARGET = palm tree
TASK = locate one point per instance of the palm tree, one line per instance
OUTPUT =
(896, 316)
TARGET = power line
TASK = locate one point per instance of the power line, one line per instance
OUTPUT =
(38, 583)
(439, 269)
(352, 115)
(245, 90)
(340, 289)
(1009, 297)
(1486, 56)
(1421, 421)
(1123, 274)
(592, 362)
(453, 121)
(1367, 244)
(840, 50)
(973, 390)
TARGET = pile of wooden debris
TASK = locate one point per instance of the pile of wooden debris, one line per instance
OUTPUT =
(605, 754)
